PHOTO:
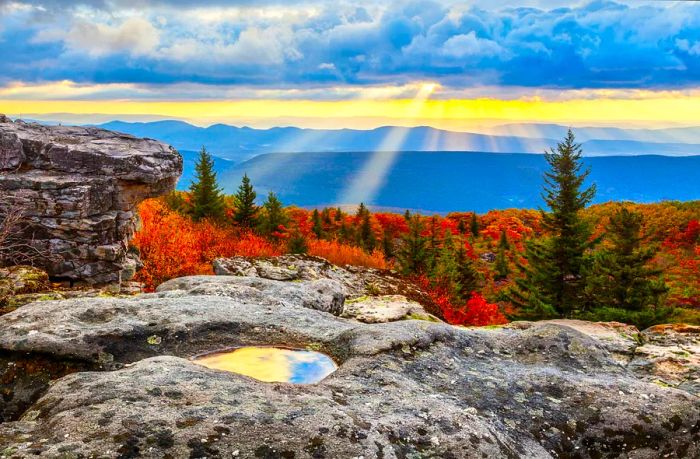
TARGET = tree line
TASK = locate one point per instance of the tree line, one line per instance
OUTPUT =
(565, 271)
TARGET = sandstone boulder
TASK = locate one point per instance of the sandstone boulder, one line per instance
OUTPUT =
(78, 188)
(403, 389)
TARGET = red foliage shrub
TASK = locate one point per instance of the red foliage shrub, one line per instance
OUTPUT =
(476, 311)
(172, 245)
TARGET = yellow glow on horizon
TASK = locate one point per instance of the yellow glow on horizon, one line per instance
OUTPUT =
(435, 112)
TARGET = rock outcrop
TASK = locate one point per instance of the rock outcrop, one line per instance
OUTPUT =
(78, 188)
(410, 388)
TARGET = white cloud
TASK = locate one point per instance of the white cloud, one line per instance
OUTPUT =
(691, 48)
(135, 36)
(469, 45)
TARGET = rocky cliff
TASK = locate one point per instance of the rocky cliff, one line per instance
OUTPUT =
(78, 189)
(125, 384)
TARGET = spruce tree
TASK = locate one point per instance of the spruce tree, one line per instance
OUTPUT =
(412, 255)
(469, 278)
(446, 272)
(407, 215)
(461, 226)
(388, 245)
(246, 211)
(553, 278)
(273, 215)
(502, 268)
(317, 227)
(297, 243)
(365, 235)
(206, 198)
(338, 217)
(621, 281)
(474, 226)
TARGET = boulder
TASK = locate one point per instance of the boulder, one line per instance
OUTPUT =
(385, 308)
(78, 188)
(409, 388)
(356, 281)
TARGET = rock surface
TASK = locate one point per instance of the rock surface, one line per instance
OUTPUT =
(78, 188)
(403, 389)
(356, 281)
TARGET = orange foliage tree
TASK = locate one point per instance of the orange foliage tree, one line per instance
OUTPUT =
(344, 254)
(172, 245)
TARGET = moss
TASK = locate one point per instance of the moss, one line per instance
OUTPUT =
(359, 299)
(425, 317)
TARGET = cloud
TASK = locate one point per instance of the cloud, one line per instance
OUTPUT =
(602, 44)
(135, 36)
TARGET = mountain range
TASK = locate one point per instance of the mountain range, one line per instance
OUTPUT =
(242, 143)
(435, 170)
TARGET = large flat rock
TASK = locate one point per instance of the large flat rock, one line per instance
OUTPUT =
(410, 388)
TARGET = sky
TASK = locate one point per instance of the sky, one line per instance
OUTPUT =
(359, 64)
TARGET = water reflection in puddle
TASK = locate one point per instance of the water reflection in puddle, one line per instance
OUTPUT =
(272, 364)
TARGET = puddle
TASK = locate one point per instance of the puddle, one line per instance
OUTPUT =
(272, 364)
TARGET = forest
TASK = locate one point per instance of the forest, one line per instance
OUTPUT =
(618, 261)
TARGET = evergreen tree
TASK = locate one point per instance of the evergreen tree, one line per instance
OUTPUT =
(468, 277)
(620, 277)
(326, 217)
(502, 268)
(273, 215)
(553, 282)
(207, 200)
(474, 226)
(365, 235)
(338, 215)
(461, 226)
(246, 211)
(362, 211)
(296, 244)
(412, 255)
(433, 245)
(388, 245)
(407, 215)
(317, 227)
(447, 268)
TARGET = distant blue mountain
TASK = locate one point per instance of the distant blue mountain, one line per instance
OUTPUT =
(242, 143)
(451, 181)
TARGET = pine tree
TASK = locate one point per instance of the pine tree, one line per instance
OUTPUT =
(388, 245)
(297, 243)
(461, 226)
(361, 211)
(317, 227)
(338, 215)
(326, 217)
(468, 277)
(407, 215)
(620, 277)
(432, 246)
(273, 215)
(246, 211)
(365, 235)
(474, 226)
(553, 278)
(207, 200)
(502, 268)
(412, 255)
(446, 267)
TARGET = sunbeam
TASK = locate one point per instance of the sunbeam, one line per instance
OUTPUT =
(369, 179)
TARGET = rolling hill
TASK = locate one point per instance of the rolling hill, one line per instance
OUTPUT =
(450, 181)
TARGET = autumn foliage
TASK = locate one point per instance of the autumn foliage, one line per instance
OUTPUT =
(344, 254)
(172, 245)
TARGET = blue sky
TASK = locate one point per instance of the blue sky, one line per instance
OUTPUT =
(313, 50)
